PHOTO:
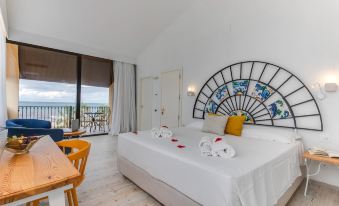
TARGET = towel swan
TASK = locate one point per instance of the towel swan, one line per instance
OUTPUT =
(162, 132)
(216, 146)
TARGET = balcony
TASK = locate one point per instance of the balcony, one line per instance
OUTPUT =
(94, 119)
(55, 85)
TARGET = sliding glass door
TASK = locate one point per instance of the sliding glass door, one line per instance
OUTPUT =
(47, 86)
(96, 80)
(61, 86)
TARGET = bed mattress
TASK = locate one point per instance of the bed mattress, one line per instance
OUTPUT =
(259, 174)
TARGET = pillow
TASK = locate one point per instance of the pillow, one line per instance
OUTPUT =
(234, 125)
(215, 124)
(196, 125)
(269, 133)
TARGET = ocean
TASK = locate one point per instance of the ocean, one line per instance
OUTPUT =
(59, 104)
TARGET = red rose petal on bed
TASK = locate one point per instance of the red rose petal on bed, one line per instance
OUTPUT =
(181, 146)
(135, 132)
(164, 126)
(174, 140)
(218, 139)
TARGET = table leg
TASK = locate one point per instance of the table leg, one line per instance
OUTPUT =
(57, 198)
(307, 178)
(308, 175)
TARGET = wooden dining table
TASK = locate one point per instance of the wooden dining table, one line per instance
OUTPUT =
(43, 172)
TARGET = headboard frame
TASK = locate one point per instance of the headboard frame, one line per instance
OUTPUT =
(266, 94)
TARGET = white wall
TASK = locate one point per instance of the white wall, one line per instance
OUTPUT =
(3, 7)
(114, 29)
(57, 43)
(299, 35)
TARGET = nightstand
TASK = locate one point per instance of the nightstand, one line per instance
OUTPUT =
(321, 160)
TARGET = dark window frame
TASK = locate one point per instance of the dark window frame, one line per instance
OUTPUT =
(79, 68)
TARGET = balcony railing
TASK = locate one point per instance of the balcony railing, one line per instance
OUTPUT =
(95, 119)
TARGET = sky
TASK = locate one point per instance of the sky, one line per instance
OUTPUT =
(41, 91)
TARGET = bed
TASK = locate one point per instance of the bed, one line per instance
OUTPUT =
(262, 173)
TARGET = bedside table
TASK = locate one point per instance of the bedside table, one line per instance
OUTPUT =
(308, 158)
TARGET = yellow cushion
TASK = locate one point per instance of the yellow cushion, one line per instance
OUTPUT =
(234, 125)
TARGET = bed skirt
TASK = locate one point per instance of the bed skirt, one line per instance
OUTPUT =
(168, 195)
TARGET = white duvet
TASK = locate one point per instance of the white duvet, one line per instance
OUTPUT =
(258, 175)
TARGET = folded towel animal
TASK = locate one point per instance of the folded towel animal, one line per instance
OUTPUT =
(205, 145)
(217, 147)
(162, 132)
(221, 148)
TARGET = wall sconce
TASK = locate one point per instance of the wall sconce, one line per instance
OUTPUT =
(331, 83)
(190, 91)
(331, 87)
(317, 91)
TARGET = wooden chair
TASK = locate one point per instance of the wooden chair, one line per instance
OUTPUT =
(79, 160)
(79, 150)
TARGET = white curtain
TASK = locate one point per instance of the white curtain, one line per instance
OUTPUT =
(124, 98)
(3, 100)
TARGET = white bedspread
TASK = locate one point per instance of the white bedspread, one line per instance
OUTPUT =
(258, 175)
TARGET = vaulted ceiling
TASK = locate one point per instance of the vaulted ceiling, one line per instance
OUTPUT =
(115, 29)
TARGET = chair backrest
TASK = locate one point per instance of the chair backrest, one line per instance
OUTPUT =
(78, 155)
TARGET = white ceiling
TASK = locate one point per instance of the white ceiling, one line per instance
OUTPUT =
(116, 29)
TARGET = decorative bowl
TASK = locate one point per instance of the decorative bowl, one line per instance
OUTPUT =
(21, 148)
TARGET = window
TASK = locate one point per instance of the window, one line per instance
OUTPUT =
(61, 86)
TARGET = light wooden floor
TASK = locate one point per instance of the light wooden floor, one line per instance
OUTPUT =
(104, 186)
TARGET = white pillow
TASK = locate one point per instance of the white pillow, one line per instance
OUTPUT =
(273, 134)
(215, 124)
(196, 125)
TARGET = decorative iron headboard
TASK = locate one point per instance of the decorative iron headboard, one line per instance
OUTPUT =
(266, 94)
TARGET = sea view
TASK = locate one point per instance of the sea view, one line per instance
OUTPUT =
(55, 102)
(59, 104)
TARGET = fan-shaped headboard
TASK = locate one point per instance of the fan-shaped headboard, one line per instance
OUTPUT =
(266, 94)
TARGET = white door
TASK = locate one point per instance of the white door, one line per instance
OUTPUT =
(146, 103)
(156, 102)
(170, 98)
